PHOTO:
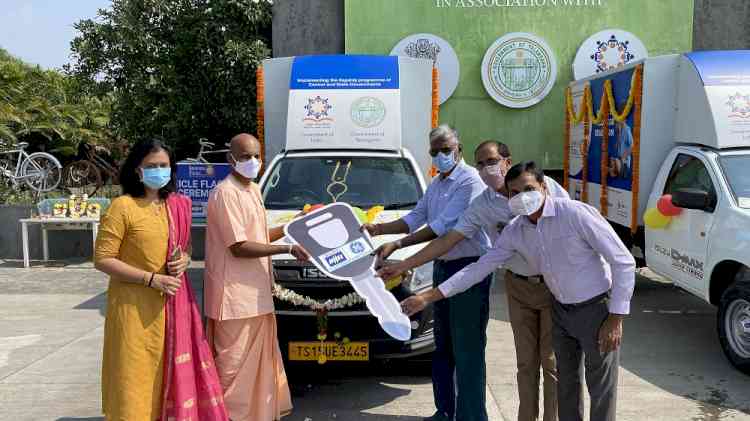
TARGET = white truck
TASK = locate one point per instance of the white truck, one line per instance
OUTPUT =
(316, 161)
(686, 135)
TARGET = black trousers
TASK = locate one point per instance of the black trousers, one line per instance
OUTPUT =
(575, 336)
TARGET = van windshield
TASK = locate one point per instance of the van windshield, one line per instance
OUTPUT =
(736, 171)
(363, 182)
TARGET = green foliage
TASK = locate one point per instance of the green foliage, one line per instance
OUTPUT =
(178, 69)
(43, 108)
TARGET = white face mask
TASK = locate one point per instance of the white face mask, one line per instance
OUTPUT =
(248, 169)
(526, 203)
(493, 176)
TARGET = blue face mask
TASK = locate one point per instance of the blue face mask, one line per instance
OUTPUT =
(444, 162)
(156, 178)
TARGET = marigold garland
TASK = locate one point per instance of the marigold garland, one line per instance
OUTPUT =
(607, 108)
(585, 158)
(574, 118)
(260, 87)
(566, 146)
(637, 103)
(587, 107)
(604, 164)
(435, 114)
(435, 97)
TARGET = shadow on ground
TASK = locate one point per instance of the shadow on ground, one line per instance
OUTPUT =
(317, 390)
(670, 341)
(81, 419)
(18, 264)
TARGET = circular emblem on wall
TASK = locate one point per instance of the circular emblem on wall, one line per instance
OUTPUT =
(607, 50)
(519, 70)
(368, 112)
(432, 47)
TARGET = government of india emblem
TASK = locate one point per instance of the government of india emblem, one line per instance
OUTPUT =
(612, 54)
(738, 105)
(423, 48)
(367, 112)
(317, 109)
(519, 70)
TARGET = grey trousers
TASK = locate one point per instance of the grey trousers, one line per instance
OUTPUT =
(575, 336)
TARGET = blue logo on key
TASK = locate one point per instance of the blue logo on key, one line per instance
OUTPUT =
(357, 247)
(335, 259)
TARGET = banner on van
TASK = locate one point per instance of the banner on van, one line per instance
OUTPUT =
(344, 102)
(620, 151)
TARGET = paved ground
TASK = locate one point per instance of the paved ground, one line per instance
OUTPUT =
(51, 334)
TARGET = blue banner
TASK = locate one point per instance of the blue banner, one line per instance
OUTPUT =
(344, 72)
(197, 180)
(620, 148)
(722, 67)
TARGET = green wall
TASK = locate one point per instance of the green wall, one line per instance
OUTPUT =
(375, 26)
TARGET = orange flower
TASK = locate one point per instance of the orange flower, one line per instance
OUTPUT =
(260, 114)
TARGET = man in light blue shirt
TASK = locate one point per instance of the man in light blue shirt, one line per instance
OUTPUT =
(461, 321)
(529, 299)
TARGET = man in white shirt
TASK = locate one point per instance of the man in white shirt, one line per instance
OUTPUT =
(529, 299)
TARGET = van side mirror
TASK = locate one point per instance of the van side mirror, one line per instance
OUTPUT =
(694, 199)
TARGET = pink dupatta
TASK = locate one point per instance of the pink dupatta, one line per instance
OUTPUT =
(192, 390)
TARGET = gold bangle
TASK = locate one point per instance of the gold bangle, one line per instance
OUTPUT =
(144, 278)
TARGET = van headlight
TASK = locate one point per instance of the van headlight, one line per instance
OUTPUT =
(421, 278)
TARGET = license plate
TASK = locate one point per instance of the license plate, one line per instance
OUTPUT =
(334, 351)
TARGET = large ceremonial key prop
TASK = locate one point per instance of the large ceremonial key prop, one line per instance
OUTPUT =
(342, 251)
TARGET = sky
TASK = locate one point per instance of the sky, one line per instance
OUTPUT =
(40, 31)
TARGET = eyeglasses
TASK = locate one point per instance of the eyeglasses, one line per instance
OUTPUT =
(445, 151)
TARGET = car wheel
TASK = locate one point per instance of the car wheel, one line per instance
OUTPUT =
(734, 324)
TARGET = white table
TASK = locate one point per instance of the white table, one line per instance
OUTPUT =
(55, 224)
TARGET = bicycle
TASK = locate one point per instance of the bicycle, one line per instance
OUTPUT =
(206, 148)
(86, 174)
(40, 171)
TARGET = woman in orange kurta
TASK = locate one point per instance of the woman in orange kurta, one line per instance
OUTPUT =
(132, 248)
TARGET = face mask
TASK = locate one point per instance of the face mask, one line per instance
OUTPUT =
(444, 162)
(526, 203)
(156, 178)
(493, 176)
(248, 169)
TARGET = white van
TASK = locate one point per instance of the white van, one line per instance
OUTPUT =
(301, 173)
(695, 146)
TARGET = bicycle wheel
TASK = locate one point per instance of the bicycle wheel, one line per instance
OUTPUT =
(82, 177)
(41, 171)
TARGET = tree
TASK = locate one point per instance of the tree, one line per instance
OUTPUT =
(178, 69)
(44, 108)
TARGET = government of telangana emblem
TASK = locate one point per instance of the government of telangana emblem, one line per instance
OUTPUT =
(367, 112)
(519, 70)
